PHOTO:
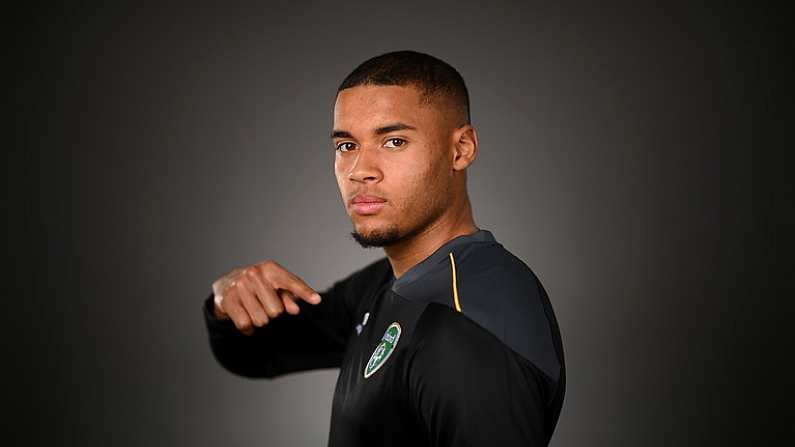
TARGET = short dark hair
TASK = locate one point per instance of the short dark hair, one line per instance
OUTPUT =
(432, 76)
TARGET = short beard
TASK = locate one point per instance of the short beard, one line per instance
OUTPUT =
(384, 238)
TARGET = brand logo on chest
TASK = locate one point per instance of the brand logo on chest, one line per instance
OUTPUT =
(384, 349)
(359, 327)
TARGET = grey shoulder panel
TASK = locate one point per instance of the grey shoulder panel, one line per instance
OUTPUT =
(499, 292)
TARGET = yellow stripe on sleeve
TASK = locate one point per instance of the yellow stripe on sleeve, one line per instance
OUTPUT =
(455, 287)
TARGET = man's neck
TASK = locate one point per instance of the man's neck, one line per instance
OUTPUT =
(407, 254)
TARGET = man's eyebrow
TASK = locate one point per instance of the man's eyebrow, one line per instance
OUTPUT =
(393, 127)
(379, 131)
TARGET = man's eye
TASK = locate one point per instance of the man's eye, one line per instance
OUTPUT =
(342, 146)
(400, 140)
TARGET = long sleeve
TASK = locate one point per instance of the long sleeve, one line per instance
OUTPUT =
(314, 338)
(469, 389)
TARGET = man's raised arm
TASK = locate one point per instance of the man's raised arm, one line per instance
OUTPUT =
(263, 320)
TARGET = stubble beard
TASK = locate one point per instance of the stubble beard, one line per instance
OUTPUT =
(392, 234)
(378, 238)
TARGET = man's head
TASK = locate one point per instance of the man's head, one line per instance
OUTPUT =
(402, 134)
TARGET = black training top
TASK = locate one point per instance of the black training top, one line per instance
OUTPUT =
(463, 349)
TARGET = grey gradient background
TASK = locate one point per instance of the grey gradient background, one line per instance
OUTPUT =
(624, 156)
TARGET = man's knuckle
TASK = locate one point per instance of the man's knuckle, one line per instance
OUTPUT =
(273, 310)
(267, 276)
(242, 324)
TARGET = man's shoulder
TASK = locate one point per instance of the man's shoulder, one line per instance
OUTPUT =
(499, 292)
(482, 267)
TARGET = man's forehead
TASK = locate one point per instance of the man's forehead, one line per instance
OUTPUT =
(385, 98)
(373, 106)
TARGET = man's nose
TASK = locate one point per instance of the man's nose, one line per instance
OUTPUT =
(365, 166)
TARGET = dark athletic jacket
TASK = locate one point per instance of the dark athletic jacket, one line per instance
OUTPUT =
(463, 349)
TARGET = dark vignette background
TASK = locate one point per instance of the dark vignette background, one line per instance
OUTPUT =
(629, 155)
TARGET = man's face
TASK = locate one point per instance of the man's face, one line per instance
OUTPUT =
(397, 151)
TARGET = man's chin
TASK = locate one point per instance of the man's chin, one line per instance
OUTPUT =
(377, 237)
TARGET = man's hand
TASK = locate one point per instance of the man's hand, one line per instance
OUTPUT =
(252, 296)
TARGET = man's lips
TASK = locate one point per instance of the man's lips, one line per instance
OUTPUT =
(362, 198)
(365, 205)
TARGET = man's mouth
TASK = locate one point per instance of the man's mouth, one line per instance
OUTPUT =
(366, 205)
(364, 198)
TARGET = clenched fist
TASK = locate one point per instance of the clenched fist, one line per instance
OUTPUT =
(251, 296)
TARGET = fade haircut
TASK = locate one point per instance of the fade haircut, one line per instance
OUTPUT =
(433, 77)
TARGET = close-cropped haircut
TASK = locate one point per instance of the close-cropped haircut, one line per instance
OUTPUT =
(435, 78)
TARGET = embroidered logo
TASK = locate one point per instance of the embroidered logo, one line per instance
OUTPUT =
(359, 327)
(384, 349)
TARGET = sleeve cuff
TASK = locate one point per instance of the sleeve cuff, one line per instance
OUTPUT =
(215, 324)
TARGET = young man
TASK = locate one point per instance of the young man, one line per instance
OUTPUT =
(449, 339)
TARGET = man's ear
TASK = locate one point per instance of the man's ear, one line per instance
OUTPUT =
(465, 145)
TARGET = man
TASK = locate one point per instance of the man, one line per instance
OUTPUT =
(449, 339)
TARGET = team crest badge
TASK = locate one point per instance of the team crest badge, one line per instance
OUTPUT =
(383, 350)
